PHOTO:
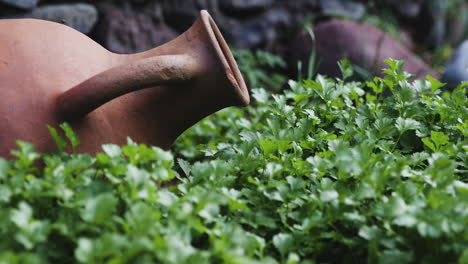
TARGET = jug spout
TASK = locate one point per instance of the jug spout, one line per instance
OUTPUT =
(148, 72)
(197, 60)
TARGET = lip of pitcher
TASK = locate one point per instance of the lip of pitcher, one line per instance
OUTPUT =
(227, 59)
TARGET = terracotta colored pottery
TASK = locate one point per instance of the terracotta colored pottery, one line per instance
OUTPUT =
(50, 73)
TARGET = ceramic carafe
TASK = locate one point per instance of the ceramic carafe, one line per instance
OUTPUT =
(50, 73)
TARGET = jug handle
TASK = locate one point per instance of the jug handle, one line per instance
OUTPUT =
(144, 73)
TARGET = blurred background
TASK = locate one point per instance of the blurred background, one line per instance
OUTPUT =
(278, 39)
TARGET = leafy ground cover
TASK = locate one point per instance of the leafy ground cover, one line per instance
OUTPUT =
(326, 171)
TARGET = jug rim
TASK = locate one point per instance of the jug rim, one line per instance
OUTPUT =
(227, 59)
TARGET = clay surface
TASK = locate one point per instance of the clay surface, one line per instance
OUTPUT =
(50, 73)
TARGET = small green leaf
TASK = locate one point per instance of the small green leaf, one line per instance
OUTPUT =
(136, 177)
(283, 242)
(406, 220)
(328, 196)
(404, 124)
(70, 134)
(5, 193)
(4, 167)
(112, 150)
(429, 144)
(260, 95)
(61, 143)
(166, 198)
(268, 146)
(395, 65)
(435, 84)
(185, 166)
(293, 258)
(22, 215)
(84, 250)
(369, 232)
(25, 155)
(346, 68)
(439, 139)
(100, 208)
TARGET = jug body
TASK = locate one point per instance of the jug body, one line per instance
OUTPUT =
(51, 73)
(39, 60)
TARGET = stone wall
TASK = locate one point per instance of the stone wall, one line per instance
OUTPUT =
(127, 26)
(136, 25)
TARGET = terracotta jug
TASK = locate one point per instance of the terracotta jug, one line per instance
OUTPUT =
(50, 73)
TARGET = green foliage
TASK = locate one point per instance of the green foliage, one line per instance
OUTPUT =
(325, 172)
(312, 64)
(260, 68)
(346, 68)
(69, 134)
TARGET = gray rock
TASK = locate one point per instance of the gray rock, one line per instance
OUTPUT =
(23, 4)
(180, 14)
(244, 6)
(301, 5)
(128, 31)
(457, 68)
(364, 45)
(301, 10)
(139, 2)
(407, 8)
(259, 32)
(343, 8)
(81, 17)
